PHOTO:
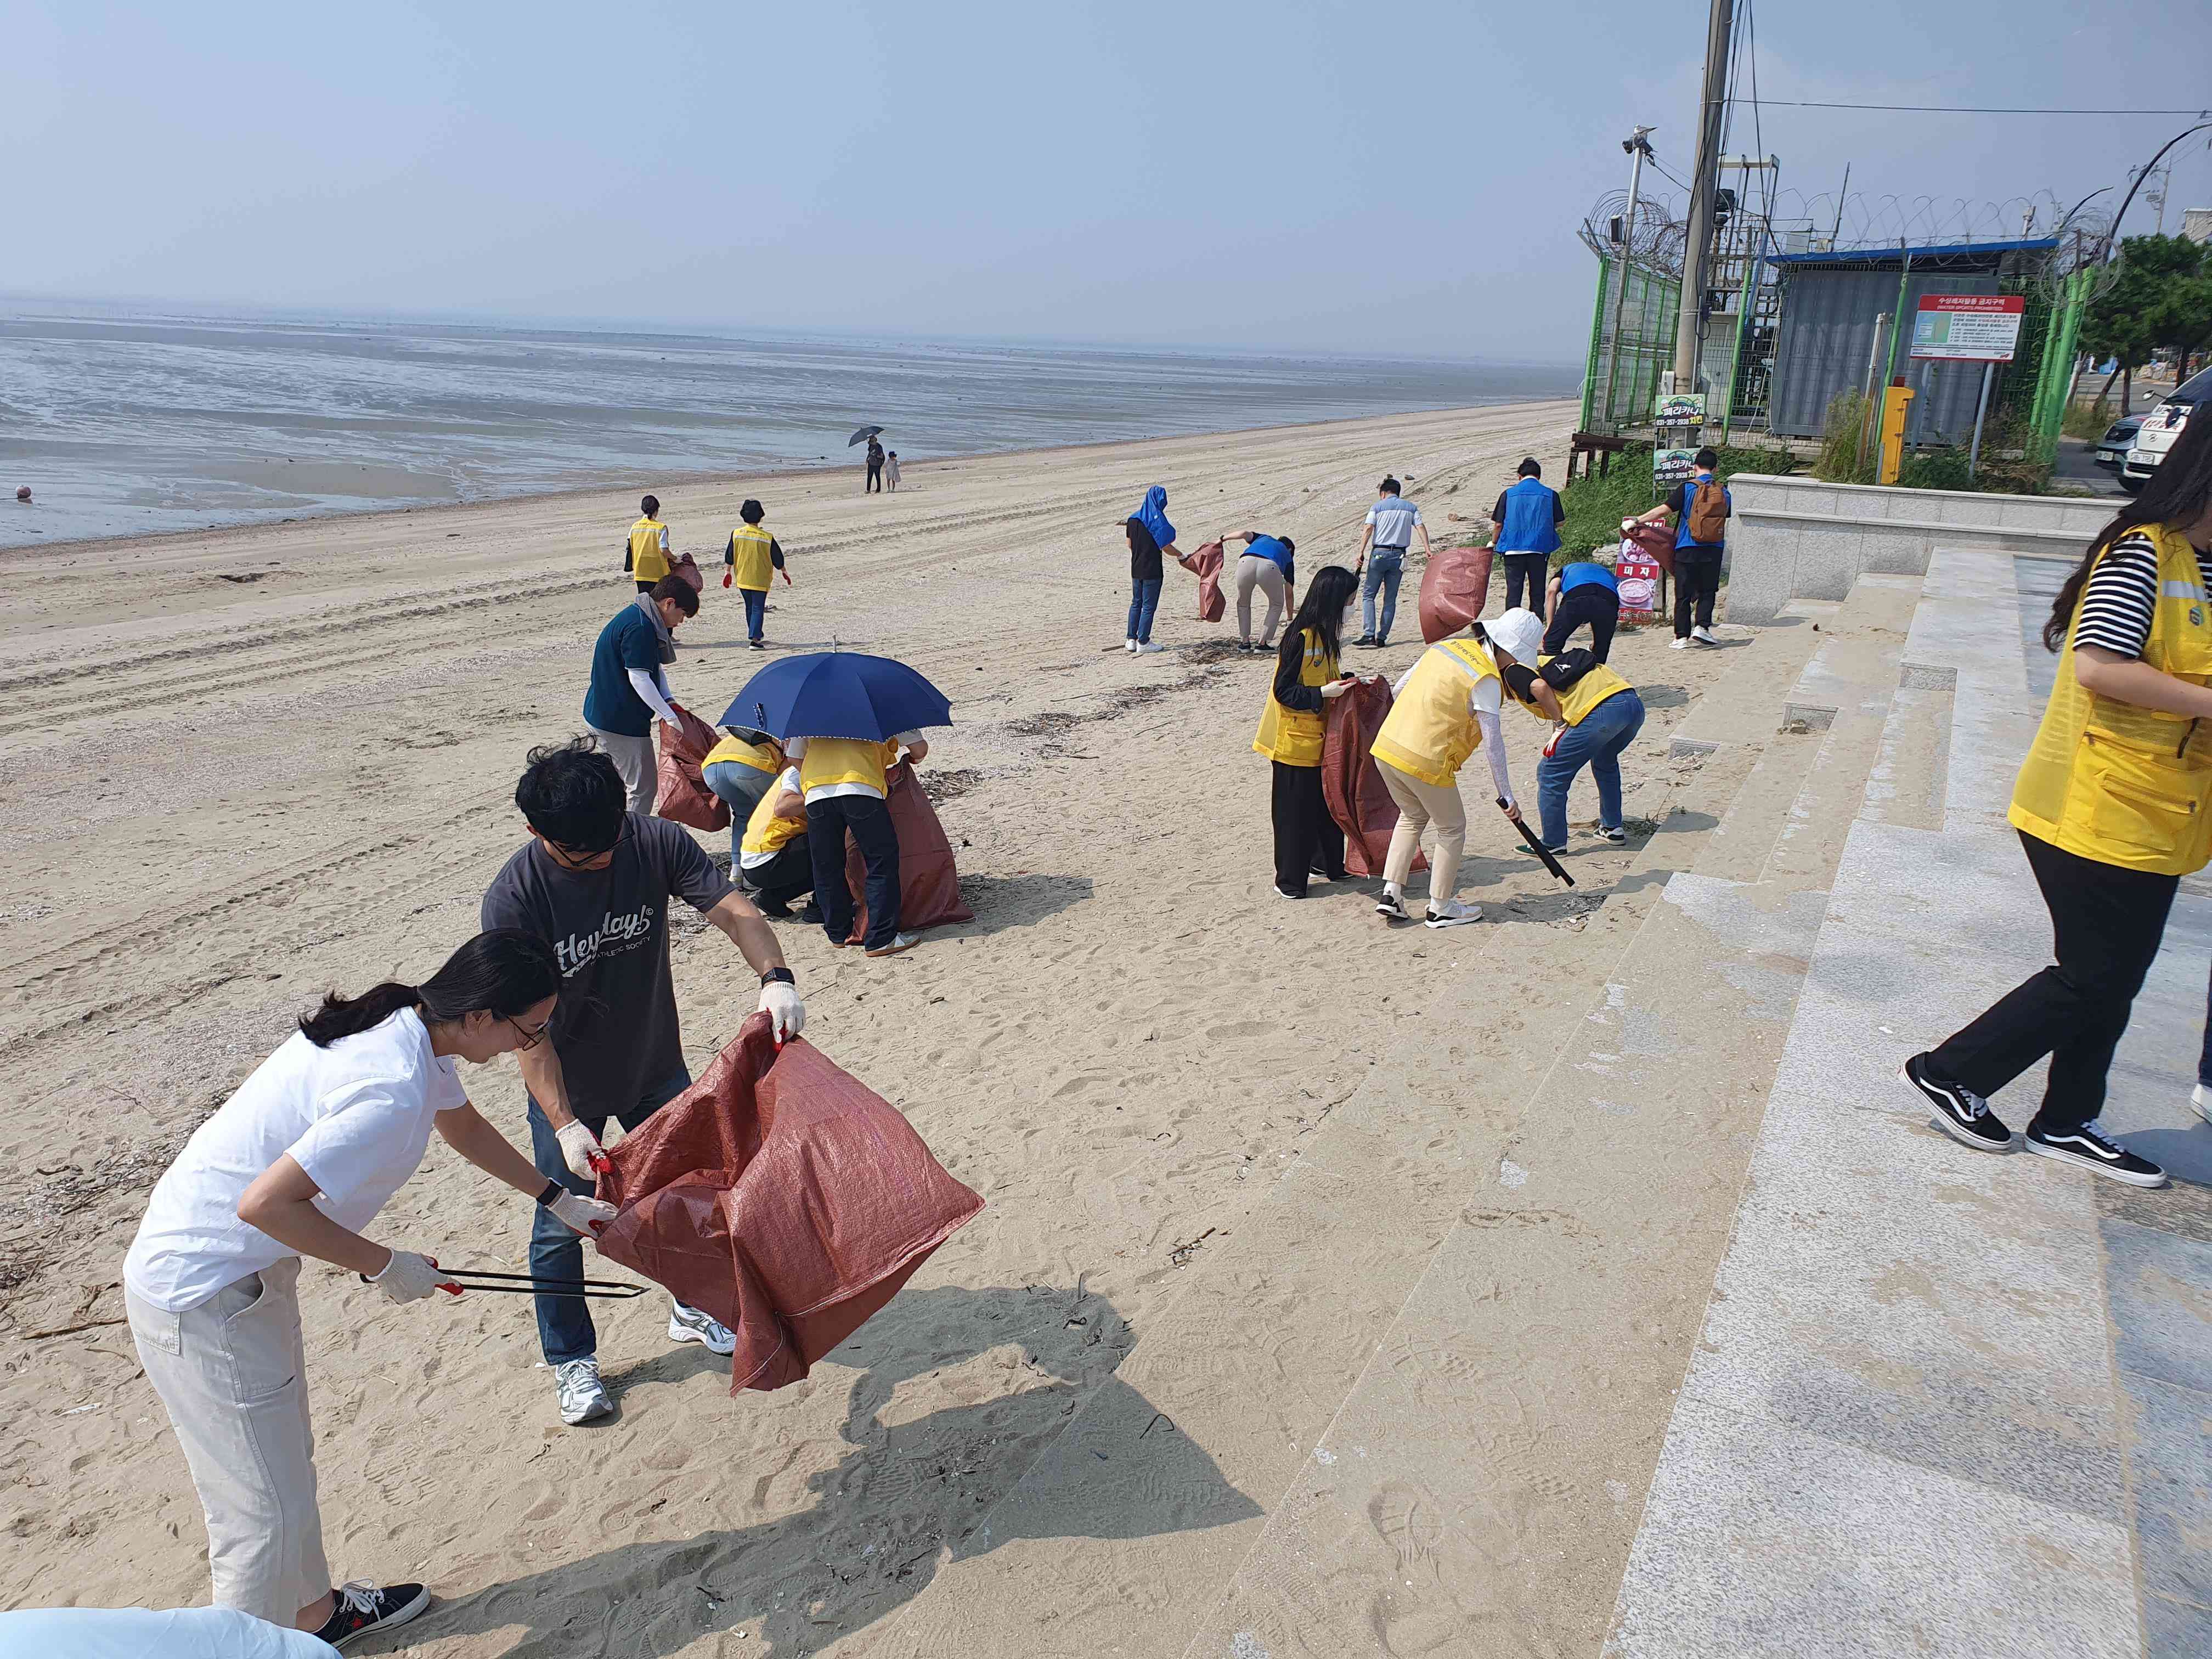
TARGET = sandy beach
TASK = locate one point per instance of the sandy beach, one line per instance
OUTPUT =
(241, 767)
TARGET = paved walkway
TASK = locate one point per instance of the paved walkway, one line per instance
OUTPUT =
(1946, 1401)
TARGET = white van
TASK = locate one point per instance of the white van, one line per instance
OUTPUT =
(2161, 427)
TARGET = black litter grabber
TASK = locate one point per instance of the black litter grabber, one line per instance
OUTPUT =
(469, 1278)
(1537, 847)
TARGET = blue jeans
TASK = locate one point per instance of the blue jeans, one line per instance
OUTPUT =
(1596, 742)
(742, 787)
(1144, 599)
(1385, 567)
(565, 1331)
(756, 609)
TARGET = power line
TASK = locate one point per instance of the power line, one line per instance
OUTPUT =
(1970, 109)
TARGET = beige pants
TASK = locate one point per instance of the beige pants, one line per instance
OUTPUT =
(1253, 571)
(1419, 807)
(634, 758)
(232, 1374)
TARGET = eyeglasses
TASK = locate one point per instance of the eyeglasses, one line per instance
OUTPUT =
(569, 858)
(527, 1036)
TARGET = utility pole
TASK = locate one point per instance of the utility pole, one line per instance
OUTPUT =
(1638, 144)
(1689, 327)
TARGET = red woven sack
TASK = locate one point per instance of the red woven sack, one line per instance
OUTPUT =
(682, 794)
(1455, 585)
(1206, 564)
(1655, 541)
(929, 879)
(783, 1197)
(688, 567)
(1350, 784)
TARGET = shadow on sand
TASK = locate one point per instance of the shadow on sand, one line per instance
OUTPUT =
(904, 1501)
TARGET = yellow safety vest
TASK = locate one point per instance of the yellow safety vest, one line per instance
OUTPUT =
(831, 761)
(2123, 785)
(764, 831)
(1430, 731)
(1578, 698)
(761, 757)
(753, 567)
(1293, 736)
(647, 563)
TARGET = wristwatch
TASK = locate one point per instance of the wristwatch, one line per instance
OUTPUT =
(551, 1195)
(777, 976)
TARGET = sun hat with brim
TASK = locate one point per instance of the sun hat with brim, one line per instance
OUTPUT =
(1521, 632)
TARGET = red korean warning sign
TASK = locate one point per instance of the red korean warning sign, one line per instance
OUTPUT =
(1972, 328)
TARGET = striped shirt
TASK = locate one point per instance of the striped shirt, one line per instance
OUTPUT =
(2121, 593)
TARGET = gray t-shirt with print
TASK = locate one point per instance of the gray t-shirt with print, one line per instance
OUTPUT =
(614, 1025)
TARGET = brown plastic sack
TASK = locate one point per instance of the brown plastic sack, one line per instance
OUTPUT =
(929, 878)
(683, 796)
(783, 1197)
(1454, 587)
(688, 567)
(1350, 784)
(1206, 564)
(1655, 541)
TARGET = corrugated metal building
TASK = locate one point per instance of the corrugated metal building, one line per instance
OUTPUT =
(1826, 337)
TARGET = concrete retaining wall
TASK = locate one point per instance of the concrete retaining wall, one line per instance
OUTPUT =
(1798, 538)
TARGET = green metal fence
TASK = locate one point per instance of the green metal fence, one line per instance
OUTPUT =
(1621, 376)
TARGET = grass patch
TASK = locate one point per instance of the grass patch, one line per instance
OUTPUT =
(1849, 452)
(1596, 505)
(2087, 420)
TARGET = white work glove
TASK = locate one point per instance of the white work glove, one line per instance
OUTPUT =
(787, 1013)
(409, 1278)
(580, 1214)
(582, 1152)
(1335, 689)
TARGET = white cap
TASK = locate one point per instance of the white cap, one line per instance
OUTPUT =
(1518, 631)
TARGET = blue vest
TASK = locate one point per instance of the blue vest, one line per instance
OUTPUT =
(1585, 575)
(1689, 500)
(1528, 527)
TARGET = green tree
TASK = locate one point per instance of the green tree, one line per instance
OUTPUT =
(2163, 299)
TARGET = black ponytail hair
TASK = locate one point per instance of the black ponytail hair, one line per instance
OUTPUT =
(2178, 493)
(1322, 609)
(504, 971)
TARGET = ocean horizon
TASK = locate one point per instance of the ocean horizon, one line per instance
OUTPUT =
(127, 420)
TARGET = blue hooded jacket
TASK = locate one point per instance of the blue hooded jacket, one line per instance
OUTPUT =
(1153, 515)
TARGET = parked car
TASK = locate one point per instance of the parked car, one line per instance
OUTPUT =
(2161, 427)
(2112, 448)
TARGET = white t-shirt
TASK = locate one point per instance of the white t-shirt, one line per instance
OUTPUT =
(357, 1116)
(1393, 518)
(136, 1632)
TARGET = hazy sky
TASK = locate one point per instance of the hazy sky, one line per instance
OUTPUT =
(1311, 173)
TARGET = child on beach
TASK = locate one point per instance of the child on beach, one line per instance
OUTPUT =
(890, 471)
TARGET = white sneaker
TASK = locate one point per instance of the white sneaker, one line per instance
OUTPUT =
(1705, 635)
(1129, 646)
(2201, 1098)
(690, 1325)
(1148, 649)
(1453, 915)
(583, 1396)
(899, 942)
(1679, 645)
(1391, 905)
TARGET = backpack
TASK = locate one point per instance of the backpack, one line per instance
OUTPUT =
(1707, 518)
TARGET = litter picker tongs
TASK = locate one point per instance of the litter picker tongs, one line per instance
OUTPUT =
(469, 1278)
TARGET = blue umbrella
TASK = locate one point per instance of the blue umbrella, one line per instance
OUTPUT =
(837, 694)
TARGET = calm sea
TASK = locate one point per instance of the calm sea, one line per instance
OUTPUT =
(126, 421)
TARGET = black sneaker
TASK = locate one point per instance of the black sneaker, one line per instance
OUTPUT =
(365, 1607)
(2092, 1149)
(1965, 1115)
(1364, 639)
(811, 912)
(778, 908)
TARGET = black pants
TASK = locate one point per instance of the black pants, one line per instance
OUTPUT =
(2107, 923)
(1303, 827)
(1593, 603)
(1533, 570)
(1696, 584)
(875, 479)
(646, 587)
(786, 876)
(870, 821)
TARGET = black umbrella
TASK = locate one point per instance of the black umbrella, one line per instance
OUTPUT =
(862, 435)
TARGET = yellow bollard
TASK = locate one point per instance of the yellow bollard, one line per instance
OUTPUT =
(1895, 398)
